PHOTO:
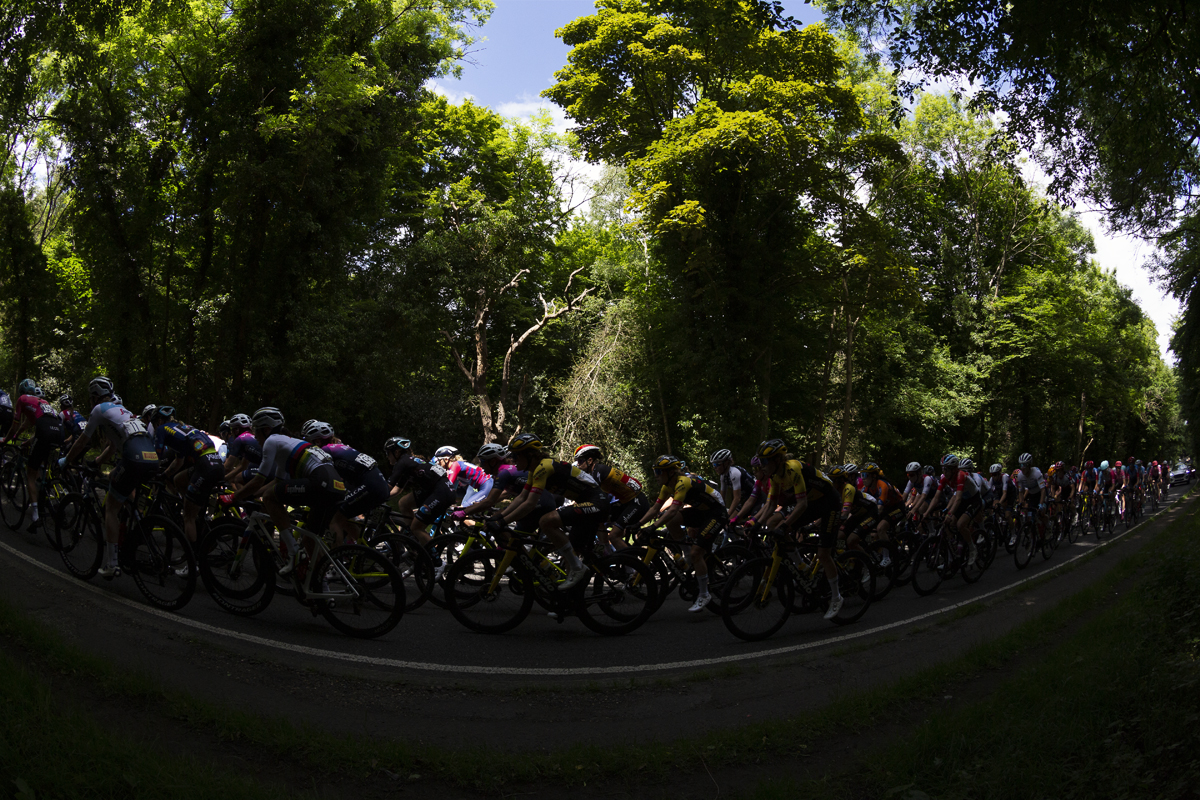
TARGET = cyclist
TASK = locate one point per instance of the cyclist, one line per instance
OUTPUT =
(891, 505)
(965, 501)
(223, 434)
(1085, 487)
(1004, 492)
(474, 482)
(138, 460)
(194, 451)
(507, 480)
(816, 501)
(583, 519)
(1031, 482)
(1120, 482)
(736, 484)
(758, 494)
(6, 410)
(366, 487)
(32, 411)
(292, 472)
(424, 494)
(625, 491)
(1062, 485)
(684, 502)
(244, 454)
(859, 511)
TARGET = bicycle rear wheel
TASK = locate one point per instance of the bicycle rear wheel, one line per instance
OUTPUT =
(753, 610)
(414, 564)
(373, 590)
(240, 578)
(721, 564)
(928, 565)
(14, 494)
(162, 563)
(474, 602)
(79, 537)
(618, 597)
(445, 548)
(856, 582)
(884, 576)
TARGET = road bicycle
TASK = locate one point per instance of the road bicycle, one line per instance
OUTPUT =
(152, 548)
(669, 559)
(355, 588)
(492, 590)
(761, 594)
(945, 554)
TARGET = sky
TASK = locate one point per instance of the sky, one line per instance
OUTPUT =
(519, 54)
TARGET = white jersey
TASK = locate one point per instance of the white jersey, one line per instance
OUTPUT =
(1032, 481)
(737, 479)
(284, 457)
(118, 423)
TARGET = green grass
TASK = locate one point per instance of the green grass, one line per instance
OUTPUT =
(943, 757)
(1113, 711)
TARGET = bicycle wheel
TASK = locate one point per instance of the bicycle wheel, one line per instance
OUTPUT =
(856, 582)
(884, 575)
(79, 538)
(1075, 530)
(239, 577)
(1023, 551)
(414, 564)
(752, 609)
(372, 590)
(721, 564)
(928, 566)
(474, 602)
(14, 494)
(161, 561)
(902, 560)
(618, 596)
(51, 509)
(445, 549)
(973, 572)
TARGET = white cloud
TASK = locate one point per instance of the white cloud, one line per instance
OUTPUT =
(451, 95)
(527, 105)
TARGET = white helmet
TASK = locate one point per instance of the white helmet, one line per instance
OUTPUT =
(100, 387)
(720, 457)
(913, 466)
(490, 451)
(315, 429)
(1025, 460)
(446, 452)
(996, 468)
(267, 417)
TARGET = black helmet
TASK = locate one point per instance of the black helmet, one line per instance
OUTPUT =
(523, 442)
(771, 448)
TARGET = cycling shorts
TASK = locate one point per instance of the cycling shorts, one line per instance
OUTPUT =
(894, 515)
(370, 494)
(207, 474)
(860, 522)
(321, 491)
(139, 463)
(825, 511)
(971, 505)
(583, 520)
(435, 503)
(48, 433)
(627, 514)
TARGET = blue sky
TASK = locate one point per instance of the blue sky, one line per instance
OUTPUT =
(519, 55)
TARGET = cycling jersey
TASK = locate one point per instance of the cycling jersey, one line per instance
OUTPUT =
(964, 482)
(417, 474)
(244, 445)
(35, 408)
(855, 501)
(509, 478)
(612, 480)
(285, 458)
(5, 400)
(688, 492)
(351, 464)
(1033, 483)
(73, 422)
(119, 425)
(803, 480)
(734, 480)
(1089, 478)
(465, 475)
(883, 489)
(566, 479)
(1104, 480)
(185, 441)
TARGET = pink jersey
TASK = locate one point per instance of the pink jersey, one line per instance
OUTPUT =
(35, 407)
(464, 473)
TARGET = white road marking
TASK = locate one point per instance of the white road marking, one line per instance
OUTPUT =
(549, 671)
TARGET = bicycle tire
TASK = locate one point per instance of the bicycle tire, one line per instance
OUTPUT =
(618, 596)
(973, 572)
(240, 584)
(161, 561)
(374, 591)
(80, 540)
(444, 548)
(14, 493)
(50, 508)
(721, 564)
(927, 568)
(856, 582)
(468, 582)
(757, 614)
(884, 576)
(414, 564)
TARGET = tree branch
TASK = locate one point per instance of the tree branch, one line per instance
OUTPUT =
(458, 358)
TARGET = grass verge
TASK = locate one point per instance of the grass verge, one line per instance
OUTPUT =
(486, 769)
(1110, 712)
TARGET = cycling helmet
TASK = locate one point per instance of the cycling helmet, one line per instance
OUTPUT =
(315, 429)
(838, 473)
(771, 448)
(445, 452)
(490, 451)
(166, 412)
(1103, 465)
(224, 429)
(1059, 464)
(587, 451)
(100, 386)
(1154, 464)
(667, 462)
(949, 460)
(1138, 463)
(240, 421)
(37, 392)
(967, 465)
(930, 469)
(267, 418)
(397, 443)
(756, 463)
(66, 402)
(148, 412)
(851, 468)
(1117, 464)
(1088, 465)
(720, 457)
(26, 386)
(524, 442)
(996, 469)
(913, 466)
(116, 398)
(871, 468)
(1025, 460)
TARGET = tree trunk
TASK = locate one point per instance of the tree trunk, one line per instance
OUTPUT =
(1082, 414)
(846, 408)
(819, 446)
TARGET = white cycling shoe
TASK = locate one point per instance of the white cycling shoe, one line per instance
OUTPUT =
(701, 602)
(835, 607)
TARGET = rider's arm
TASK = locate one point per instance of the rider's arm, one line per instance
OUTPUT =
(525, 503)
(250, 489)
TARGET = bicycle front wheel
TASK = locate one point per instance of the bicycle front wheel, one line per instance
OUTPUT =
(372, 590)
(619, 595)
(928, 565)
(239, 577)
(14, 494)
(755, 606)
(414, 564)
(162, 563)
(79, 537)
(1023, 551)
(856, 582)
(483, 601)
